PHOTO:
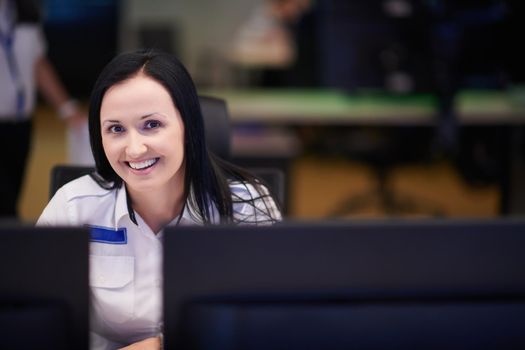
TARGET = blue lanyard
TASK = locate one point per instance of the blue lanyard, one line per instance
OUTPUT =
(6, 40)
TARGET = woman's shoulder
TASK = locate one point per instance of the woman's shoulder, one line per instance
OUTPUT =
(253, 204)
(77, 202)
(84, 186)
(247, 190)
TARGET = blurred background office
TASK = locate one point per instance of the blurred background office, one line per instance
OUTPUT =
(370, 108)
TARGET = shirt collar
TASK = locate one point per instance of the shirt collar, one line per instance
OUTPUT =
(123, 205)
(123, 208)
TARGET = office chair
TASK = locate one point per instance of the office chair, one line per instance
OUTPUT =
(218, 136)
(216, 126)
(383, 150)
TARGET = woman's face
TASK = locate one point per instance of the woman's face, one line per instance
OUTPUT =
(143, 134)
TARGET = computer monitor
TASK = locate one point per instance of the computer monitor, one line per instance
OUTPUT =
(44, 290)
(347, 285)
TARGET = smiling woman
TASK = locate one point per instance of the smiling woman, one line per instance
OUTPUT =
(153, 170)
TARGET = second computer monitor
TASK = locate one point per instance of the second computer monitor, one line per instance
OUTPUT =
(368, 285)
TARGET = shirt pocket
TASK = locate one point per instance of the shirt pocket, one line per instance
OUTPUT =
(113, 289)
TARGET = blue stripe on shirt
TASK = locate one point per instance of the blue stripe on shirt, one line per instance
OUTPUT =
(108, 235)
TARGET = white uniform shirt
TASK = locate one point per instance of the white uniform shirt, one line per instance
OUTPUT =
(28, 47)
(126, 259)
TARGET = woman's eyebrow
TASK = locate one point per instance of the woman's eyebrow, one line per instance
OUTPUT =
(110, 121)
(151, 114)
(141, 118)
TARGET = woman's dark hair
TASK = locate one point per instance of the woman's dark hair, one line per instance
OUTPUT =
(207, 177)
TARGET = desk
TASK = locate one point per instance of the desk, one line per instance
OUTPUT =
(317, 107)
(332, 107)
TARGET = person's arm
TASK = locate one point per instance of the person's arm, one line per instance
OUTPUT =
(146, 344)
(51, 88)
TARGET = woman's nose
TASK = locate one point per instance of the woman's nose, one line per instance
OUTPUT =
(135, 147)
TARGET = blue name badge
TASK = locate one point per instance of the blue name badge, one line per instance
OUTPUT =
(108, 235)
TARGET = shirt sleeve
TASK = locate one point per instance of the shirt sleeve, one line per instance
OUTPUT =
(56, 212)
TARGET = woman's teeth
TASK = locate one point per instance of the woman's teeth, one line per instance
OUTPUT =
(143, 165)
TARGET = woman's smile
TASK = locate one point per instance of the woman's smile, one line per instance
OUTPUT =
(143, 164)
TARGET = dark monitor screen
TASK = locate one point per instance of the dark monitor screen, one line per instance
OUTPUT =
(363, 285)
(44, 290)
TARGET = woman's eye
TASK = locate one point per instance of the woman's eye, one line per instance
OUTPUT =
(116, 129)
(152, 124)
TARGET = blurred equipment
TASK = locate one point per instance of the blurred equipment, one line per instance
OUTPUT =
(82, 39)
(159, 36)
(402, 47)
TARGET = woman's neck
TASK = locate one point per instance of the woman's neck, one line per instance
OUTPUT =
(159, 207)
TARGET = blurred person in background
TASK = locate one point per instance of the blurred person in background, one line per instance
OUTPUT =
(266, 44)
(24, 68)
